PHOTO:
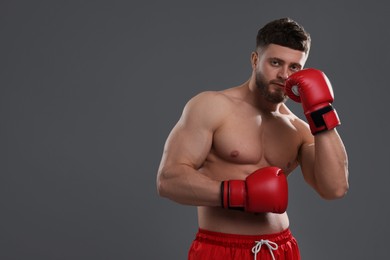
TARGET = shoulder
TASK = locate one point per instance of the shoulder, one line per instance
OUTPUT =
(211, 101)
(209, 107)
(209, 98)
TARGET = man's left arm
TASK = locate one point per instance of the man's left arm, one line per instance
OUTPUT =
(323, 161)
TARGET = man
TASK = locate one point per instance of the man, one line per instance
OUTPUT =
(231, 151)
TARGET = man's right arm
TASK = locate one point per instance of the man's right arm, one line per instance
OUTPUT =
(185, 151)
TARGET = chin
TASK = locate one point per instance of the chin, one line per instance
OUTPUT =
(277, 97)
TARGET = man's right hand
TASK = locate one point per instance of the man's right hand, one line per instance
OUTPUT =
(264, 190)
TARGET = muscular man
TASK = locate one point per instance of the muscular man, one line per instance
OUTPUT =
(231, 151)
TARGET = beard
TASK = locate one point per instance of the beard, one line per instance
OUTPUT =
(276, 96)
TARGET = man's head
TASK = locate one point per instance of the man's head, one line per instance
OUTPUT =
(285, 32)
(282, 47)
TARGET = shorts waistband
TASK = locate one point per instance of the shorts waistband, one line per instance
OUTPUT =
(237, 240)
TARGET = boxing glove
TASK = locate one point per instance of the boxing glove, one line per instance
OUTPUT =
(264, 190)
(312, 88)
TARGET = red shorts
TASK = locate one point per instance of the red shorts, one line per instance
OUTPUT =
(215, 245)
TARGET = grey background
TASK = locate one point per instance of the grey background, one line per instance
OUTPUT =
(89, 91)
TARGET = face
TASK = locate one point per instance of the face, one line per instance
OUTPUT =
(272, 66)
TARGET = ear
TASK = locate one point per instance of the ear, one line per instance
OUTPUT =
(254, 59)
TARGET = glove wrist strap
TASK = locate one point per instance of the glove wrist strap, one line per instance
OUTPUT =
(233, 194)
(323, 119)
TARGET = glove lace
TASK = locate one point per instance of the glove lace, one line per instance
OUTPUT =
(271, 246)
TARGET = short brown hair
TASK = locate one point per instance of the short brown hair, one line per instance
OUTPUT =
(285, 32)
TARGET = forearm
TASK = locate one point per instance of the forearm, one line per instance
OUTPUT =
(185, 185)
(330, 165)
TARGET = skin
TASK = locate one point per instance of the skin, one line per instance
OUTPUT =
(224, 135)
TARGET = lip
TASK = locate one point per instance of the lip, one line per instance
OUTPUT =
(278, 84)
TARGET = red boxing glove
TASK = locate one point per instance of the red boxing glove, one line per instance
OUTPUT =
(264, 190)
(313, 89)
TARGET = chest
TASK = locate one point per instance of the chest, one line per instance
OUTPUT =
(258, 141)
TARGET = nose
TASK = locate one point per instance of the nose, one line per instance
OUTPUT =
(283, 73)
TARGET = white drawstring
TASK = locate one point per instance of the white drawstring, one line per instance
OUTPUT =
(271, 246)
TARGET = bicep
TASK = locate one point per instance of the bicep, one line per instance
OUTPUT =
(190, 140)
(187, 144)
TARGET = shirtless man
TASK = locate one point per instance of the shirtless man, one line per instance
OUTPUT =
(231, 151)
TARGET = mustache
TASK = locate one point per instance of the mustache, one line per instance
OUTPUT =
(278, 82)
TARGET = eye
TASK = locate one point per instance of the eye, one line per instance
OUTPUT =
(295, 68)
(275, 63)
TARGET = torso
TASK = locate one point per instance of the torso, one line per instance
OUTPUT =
(245, 141)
